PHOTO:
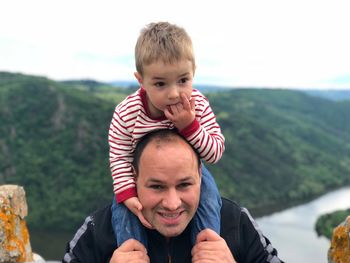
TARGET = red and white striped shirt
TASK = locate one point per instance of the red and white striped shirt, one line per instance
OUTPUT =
(131, 122)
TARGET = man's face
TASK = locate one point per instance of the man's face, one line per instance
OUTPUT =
(168, 186)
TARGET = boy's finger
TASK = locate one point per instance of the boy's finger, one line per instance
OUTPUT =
(192, 103)
(144, 221)
(185, 102)
(174, 109)
(139, 206)
(168, 114)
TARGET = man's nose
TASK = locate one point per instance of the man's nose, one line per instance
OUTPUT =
(173, 93)
(171, 200)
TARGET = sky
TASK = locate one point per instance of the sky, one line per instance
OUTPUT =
(271, 43)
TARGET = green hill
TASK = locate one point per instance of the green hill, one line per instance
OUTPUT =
(326, 223)
(281, 146)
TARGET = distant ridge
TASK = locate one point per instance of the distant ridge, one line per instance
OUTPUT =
(205, 88)
(335, 95)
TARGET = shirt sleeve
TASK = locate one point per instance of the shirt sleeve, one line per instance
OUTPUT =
(204, 133)
(120, 158)
(94, 241)
(254, 246)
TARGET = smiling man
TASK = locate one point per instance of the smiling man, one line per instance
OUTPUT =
(168, 178)
(169, 202)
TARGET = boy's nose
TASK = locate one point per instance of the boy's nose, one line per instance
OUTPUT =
(173, 93)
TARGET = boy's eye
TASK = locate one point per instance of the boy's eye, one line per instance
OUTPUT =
(159, 84)
(183, 80)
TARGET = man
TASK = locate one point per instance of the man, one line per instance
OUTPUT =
(168, 178)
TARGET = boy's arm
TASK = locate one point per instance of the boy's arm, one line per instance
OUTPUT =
(204, 132)
(120, 158)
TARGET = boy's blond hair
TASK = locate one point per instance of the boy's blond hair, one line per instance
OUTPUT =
(165, 42)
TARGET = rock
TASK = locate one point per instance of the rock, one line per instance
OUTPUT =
(38, 259)
(339, 252)
(14, 235)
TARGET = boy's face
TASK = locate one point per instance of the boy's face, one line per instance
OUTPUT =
(164, 83)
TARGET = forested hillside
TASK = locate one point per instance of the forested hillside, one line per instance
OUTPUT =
(326, 223)
(281, 146)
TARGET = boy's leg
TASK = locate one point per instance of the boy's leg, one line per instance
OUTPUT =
(126, 225)
(208, 212)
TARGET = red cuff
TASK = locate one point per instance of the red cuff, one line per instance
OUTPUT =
(190, 129)
(128, 193)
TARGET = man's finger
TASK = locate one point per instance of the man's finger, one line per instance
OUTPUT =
(207, 235)
(132, 245)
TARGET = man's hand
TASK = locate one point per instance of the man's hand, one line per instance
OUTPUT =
(181, 114)
(210, 247)
(134, 205)
(131, 251)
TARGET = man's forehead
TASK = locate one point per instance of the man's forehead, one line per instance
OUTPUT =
(170, 149)
(174, 142)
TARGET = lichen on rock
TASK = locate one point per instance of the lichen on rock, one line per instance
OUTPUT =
(339, 252)
(14, 235)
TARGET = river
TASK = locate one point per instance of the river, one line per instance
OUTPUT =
(291, 231)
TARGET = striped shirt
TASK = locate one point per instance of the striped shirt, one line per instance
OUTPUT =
(131, 121)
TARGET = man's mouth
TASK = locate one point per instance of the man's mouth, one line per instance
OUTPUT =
(170, 215)
(170, 218)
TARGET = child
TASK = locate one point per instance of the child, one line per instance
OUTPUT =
(165, 67)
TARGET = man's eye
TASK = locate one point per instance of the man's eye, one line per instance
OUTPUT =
(156, 187)
(184, 185)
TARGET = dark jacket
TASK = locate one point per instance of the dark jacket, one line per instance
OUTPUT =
(94, 241)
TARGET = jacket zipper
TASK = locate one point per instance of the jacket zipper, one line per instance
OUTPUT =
(170, 251)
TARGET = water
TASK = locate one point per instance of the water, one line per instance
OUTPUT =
(292, 231)
(50, 245)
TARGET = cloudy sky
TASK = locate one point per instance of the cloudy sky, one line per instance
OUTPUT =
(269, 43)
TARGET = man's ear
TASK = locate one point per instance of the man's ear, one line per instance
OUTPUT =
(138, 77)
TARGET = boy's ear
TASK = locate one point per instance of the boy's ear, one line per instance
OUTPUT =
(138, 77)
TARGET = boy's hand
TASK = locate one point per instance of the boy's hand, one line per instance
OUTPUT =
(181, 114)
(134, 205)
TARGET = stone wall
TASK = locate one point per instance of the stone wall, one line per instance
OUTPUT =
(14, 236)
(339, 251)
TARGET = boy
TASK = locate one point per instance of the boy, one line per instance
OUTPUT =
(165, 67)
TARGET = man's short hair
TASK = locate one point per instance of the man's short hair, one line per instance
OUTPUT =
(165, 42)
(158, 136)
